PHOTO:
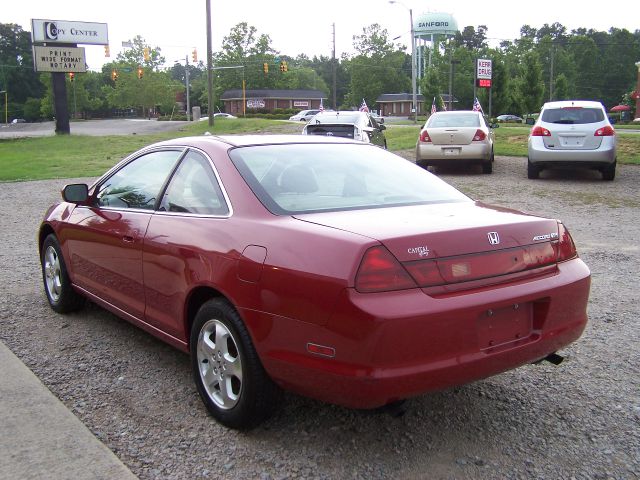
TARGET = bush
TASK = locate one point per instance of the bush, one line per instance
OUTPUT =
(32, 109)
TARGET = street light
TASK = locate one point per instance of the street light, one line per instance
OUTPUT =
(413, 62)
(6, 107)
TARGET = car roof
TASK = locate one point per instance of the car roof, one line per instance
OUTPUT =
(250, 140)
(573, 103)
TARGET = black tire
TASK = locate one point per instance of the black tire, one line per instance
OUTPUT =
(57, 285)
(533, 171)
(239, 394)
(487, 167)
(609, 172)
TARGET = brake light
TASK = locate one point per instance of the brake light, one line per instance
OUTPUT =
(606, 131)
(424, 137)
(479, 136)
(539, 131)
(380, 271)
(566, 248)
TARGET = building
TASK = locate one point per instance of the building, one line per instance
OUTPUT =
(269, 100)
(399, 104)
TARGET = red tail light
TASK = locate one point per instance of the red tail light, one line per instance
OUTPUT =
(380, 271)
(540, 132)
(424, 137)
(479, 136)
(566, 248)
(606, 131)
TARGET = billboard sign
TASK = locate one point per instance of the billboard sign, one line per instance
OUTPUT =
(62, 31)
(59, 59)
(483, 72)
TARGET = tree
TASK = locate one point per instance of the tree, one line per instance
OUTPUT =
(561, 89)
(135, 55)
(530, 83)
(471, 38)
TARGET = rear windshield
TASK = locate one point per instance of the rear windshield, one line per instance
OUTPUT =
(341, 118)
(346, 131)
(454, 120)
(304, 178)
(572, 115)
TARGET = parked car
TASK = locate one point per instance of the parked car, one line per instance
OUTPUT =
(320, 265)
(355, 125)
(574, 133)
(455, 137)
(18, 120)
(223, 115)
(304, 115)
(509, 118)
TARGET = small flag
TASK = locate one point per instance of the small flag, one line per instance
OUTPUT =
(363, 107)
(434, 109)
(444, 105)
(476, 106)
(321, 106)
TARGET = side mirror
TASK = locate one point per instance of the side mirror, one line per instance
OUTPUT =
(494, 125)
(530, 121)
(382, 127)
(75, 193)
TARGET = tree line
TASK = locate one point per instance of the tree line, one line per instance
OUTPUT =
(546, 63)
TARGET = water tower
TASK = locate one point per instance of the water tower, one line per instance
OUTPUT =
(429, 30)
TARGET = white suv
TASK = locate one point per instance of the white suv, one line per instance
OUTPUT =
(572, 132)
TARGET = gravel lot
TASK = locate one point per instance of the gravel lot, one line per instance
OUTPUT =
(580, 420)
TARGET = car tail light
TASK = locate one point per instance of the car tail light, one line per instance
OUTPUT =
(566, 248)
(424, 137)
(539, 131)
(479, 136)
(380, 271)
(606, 131)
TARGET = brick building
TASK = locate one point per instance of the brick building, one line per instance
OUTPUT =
(271, 99)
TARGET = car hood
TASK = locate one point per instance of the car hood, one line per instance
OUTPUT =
(441, 230)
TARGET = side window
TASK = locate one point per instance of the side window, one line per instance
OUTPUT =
(138, 184)
(194, 189)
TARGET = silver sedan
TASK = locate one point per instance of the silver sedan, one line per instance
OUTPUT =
(450, 138)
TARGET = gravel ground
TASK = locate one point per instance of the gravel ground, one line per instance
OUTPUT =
(580, 420)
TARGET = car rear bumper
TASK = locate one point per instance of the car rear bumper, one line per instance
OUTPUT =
(427, 153)
(397, 345)
(539, 154)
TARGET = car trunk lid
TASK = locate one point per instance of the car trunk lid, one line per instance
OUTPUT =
(452, 135)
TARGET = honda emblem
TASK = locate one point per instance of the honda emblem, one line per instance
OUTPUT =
(494, 238)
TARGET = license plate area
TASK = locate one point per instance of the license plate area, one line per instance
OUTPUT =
(451, 151)
(500, 326)
(572, 141)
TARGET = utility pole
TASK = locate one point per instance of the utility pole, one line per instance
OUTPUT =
(551, 77)
(209, 66)
(333, 69)
(186, 81)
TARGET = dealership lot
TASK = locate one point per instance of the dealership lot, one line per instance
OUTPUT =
(579, 419)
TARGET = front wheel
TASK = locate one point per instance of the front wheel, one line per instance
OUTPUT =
(57, 285)
(228, 374)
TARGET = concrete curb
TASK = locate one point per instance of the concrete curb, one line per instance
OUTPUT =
(41, 438)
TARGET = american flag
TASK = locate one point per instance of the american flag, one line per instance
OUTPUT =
(476, 106)
(363, 107)
(434, 109)
(321, 106)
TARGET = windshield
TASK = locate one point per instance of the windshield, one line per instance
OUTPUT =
(340, 118)
(572, 115)
(304, 178)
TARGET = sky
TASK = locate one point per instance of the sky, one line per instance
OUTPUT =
(297, 26)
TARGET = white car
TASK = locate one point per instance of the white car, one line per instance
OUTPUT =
(572, 133)
(304, 115)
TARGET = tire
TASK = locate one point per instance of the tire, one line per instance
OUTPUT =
(57, 285)
(487, 167)
(533, 171)
(609, 172)
(227, 371)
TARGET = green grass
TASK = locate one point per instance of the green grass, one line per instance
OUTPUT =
(84, 156)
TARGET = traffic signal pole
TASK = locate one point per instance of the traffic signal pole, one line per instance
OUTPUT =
(186, 68)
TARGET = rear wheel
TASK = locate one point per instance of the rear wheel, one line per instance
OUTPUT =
(609, 172)
(57, 285)
(227, 371)
(533, 171)
(487, 167)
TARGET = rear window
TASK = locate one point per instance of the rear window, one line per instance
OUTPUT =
(454, 120)
(305, 178)
(346, 131)
(572, 115)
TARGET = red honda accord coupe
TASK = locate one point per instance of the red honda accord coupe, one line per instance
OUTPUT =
(324, 266)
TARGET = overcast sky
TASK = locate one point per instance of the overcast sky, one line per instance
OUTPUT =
(297, 26)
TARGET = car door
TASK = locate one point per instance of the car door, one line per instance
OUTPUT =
(105, 240)
(187, 242)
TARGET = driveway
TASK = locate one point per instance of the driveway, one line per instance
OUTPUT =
(122, 126)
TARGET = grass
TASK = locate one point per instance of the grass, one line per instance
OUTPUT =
(84, 156)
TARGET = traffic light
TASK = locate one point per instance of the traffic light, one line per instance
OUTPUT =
(265, 68)
(140, 73)
(145, 52)
(72, 76)
(194, 56)
(283, 66)
(107, 53)
(114, 75)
